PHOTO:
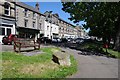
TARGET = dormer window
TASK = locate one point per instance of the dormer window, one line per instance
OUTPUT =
(7, 9)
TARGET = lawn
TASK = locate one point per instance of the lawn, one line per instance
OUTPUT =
(112, 52)
(91, 46)
(16, 65)
(98, 47)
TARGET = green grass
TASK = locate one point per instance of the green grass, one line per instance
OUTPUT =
(16, 65)
(112, 52)
(91, 46)
(98, 47)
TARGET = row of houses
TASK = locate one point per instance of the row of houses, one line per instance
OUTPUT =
(27, 22)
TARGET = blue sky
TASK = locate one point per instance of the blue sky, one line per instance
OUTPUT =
(56, 7)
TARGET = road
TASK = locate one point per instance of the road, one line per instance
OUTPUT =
(88, 66)
(10, 47)
(94, 66)
(6, 47)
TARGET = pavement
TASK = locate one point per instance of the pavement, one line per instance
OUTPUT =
(88, 66)
(93, 66)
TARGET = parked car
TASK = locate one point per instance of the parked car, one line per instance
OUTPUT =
(9, 39)
(44, 40)
(56, 40)
(79, 40)
(64, 40)
(69, 39)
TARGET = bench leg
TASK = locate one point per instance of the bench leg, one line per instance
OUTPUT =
(39, 46)
(14, 47)
(19, 48)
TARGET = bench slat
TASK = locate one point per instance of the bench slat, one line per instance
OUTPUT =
(24, 43)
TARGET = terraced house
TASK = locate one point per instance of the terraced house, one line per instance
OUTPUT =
(67, 30)
(51, 25)
(7, 18)
(27, 22)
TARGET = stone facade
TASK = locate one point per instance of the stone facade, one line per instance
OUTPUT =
(66, 30)
(27, 22)
(7, 18)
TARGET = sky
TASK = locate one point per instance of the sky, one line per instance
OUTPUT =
(56, 7)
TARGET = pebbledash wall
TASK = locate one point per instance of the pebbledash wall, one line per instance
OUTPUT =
(27, 22)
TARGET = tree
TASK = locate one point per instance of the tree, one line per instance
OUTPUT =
(102, 18)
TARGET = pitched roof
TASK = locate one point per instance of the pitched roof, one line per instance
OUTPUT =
(21, 4)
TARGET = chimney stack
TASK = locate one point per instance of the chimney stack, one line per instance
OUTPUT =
(37, 6)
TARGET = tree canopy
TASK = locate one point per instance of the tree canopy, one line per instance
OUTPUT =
(102, 18)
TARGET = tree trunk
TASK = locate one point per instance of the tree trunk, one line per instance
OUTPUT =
(117, 41)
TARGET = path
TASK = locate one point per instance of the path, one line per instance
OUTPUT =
(94, 66)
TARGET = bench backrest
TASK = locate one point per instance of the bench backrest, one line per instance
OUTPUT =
(24, 41)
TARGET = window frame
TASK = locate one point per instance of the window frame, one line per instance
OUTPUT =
(7, 9)
(8, 32)
(25, 23)
(34, 14)
(2, 31)
(25, 12)
(47, 27)
(33, 24)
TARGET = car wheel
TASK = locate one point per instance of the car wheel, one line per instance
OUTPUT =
(5, 43)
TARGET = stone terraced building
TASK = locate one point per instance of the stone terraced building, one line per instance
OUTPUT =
(7, 18)
(27, 22)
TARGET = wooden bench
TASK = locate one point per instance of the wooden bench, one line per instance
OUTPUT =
(24, 43)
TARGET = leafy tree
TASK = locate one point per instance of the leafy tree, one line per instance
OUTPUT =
(102, 18)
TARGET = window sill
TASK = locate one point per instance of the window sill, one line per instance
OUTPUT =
(7, 15)
(34, 18)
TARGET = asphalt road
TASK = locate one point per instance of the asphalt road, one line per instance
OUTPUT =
(10, 47)
(94, 66)
(6, 47)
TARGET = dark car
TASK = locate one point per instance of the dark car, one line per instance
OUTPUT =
(56, 40)
(44, 40)
(8, 39)
(69, 39)
(64, 40)
(79, 40)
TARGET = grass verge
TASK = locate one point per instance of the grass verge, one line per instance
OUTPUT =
(98, 47)
(16, 65)
(112, 52)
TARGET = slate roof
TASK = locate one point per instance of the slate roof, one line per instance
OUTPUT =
(21, 4)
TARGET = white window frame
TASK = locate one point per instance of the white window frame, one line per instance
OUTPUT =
(25, 12)
(34, 15)
(7, 10)
(33, 24)
(6, 30)
(40, 26)
(47, 27)
(26, 23)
